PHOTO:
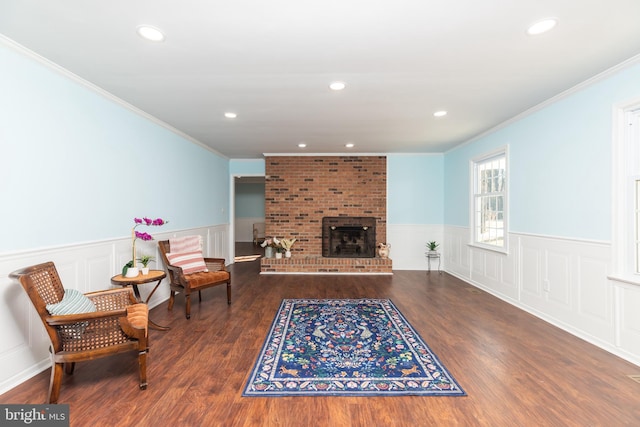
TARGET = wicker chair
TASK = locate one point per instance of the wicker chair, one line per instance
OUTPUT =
(119, 324)
(188, 283)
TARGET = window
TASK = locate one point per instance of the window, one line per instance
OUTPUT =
(637, 226)
(626, 193)
(489, 219)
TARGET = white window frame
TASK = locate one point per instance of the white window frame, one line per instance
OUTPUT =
(626, 173)
(476, 195)
(634, 225)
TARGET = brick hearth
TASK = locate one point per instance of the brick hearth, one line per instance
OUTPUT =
(326, 265)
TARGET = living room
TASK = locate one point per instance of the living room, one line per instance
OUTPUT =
(80, 164)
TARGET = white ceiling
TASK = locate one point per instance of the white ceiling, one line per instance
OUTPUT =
(271, 63)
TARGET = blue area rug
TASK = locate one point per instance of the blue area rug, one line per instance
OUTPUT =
(346, 347)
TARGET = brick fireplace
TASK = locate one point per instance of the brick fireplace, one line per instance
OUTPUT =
(302, 190)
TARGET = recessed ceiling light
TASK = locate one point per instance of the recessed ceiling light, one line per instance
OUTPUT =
(302, 145)
(150, 33)
(349, 145)
(337, 85)
(542, 26)
(440, 113)
(230, 115)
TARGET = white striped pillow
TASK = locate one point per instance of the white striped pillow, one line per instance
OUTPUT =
(190, 262)
(179, 245)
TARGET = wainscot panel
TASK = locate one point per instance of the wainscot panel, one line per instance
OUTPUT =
(408, 245)
(86, 267)
(562, 281)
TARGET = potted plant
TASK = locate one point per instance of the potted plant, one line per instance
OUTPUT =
(279, 250)
(270, 246)
(286, 245)
(145, 260)
(130, 269)
(432, 248)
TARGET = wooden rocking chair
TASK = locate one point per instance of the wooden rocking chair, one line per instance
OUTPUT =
(118, 324)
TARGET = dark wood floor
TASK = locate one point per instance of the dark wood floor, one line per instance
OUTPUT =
(516, 369)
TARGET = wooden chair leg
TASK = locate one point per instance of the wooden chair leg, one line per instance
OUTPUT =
(68, 368)
(172, 298)
(199, 296)
(187, 298)
(56, 381)
(229, 293)
(142, 362)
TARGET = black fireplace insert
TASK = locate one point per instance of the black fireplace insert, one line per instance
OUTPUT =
(348, 237)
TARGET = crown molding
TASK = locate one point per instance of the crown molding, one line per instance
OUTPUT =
(634, 60)
(324, 154)
(16, 47)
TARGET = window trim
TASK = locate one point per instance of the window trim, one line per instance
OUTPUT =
(622, 251)
(473, 163)
(634, 225)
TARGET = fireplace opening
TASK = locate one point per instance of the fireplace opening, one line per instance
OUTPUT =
(349, 237)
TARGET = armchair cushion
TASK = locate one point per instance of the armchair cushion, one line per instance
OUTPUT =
(73, 302)
(200, 279)
(190, 262)
(137, 321)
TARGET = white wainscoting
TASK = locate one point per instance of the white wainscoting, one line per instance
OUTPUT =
(562, 281)
(409, 244)
(24, 345)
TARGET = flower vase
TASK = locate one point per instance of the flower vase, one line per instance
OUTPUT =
(268, 252)
(132, 272)
(278, 255)
(383, 250)
(287, 254)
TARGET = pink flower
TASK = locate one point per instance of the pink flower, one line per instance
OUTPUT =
(142, 236)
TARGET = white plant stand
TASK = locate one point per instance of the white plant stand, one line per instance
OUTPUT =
(433, 255)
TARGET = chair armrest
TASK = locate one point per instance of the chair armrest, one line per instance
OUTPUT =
(137, 321)
(176, 276)
(175, 270)
(109, 303)
(67, 319)
(215, 264)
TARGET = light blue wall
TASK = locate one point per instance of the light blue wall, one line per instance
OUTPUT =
(249, 200)
(560, 163)
(76, 166)
(415, 185)
(252, 167)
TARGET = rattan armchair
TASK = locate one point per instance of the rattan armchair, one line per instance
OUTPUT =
(188, 283)
(119, 324)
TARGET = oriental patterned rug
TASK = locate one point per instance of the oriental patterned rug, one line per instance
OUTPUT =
(346, 347)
